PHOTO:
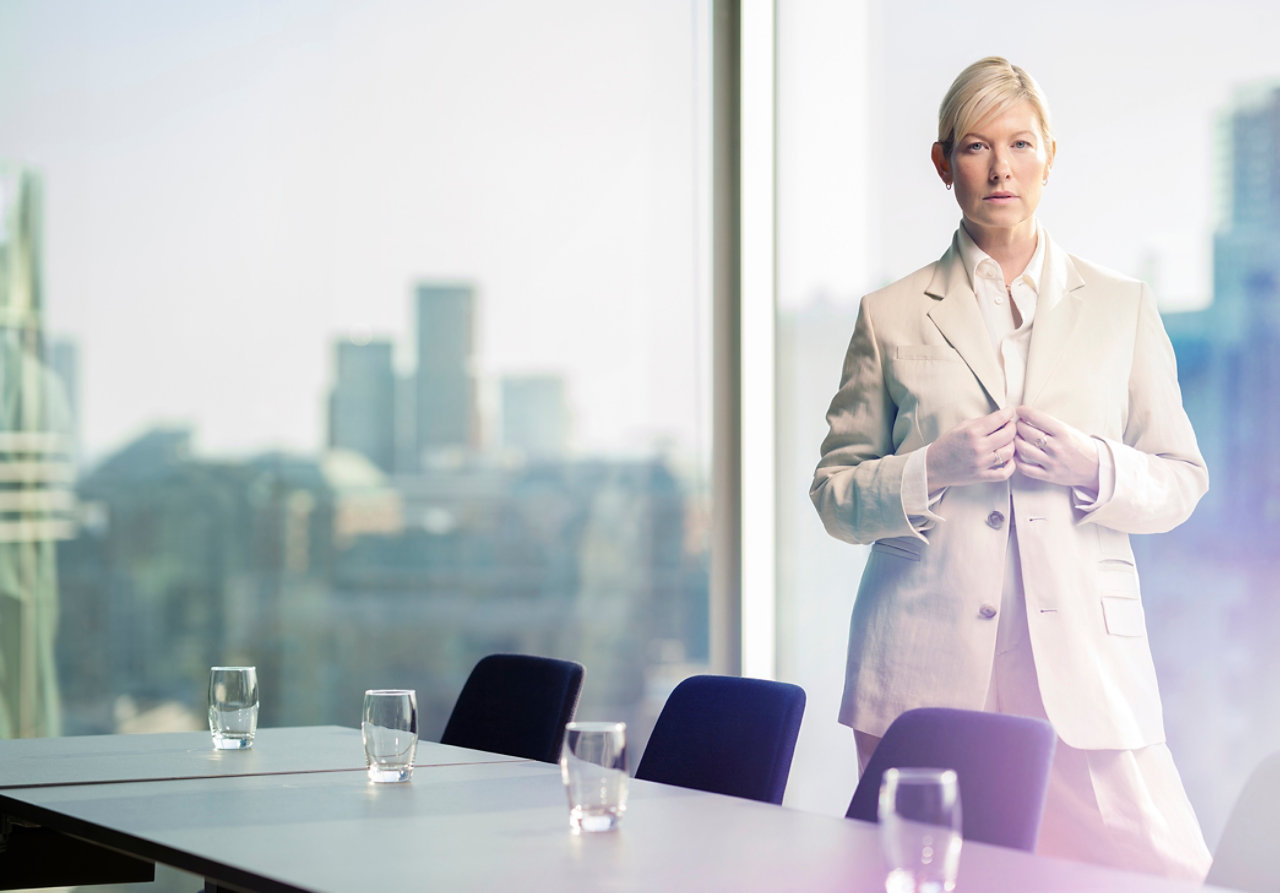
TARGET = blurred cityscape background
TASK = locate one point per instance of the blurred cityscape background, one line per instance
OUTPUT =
(398, 555)
(357, 341)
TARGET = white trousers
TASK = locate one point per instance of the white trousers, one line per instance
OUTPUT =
(1122, 808)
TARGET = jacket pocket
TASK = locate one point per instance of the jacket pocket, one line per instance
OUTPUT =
(907, 547)
(1123, 617)
(1118, 577)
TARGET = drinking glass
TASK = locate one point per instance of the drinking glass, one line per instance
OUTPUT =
(233, 706)
(593, 766)
(920, 829)
(390, 732)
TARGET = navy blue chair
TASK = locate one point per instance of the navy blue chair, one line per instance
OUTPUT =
(1001, 762)
(516, 704)
(726, 735)
(1245, 856)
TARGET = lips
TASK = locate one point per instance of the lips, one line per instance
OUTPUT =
(1000, 196)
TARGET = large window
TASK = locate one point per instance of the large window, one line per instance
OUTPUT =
(382, 335)
(1165, 171)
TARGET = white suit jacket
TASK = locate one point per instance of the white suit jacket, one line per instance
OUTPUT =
(923, 631)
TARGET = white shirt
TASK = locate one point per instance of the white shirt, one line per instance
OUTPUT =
(1011, 343)
(1041, 282)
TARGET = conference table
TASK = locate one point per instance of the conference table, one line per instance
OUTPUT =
(297, 813)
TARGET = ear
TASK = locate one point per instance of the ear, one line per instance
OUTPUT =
(1049, 156)
(942, 163)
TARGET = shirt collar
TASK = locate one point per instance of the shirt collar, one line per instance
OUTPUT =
(978, 263)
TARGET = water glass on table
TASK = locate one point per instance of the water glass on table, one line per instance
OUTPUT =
(593, 766)
(390, 732)
(233, 707)
(920, 827)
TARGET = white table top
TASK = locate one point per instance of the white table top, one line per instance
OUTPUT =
(503, 826)
(30, 762)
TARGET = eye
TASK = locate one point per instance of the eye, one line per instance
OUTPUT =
(1022, 144)
(974, 147)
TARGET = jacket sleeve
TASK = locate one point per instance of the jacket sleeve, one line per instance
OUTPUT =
(1159, 472)
(857, 486)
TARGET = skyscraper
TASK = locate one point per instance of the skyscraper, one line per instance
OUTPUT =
(35, 458)
(445, 385)
(1245, 317)
(362, 408)
(1246, 247)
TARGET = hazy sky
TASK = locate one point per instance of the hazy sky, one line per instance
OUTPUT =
(229, 186)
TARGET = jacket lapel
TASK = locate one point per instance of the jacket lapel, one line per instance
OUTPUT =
(955, 312)
(1056, 321)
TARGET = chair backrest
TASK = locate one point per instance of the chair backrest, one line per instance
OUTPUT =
(1002, 764)
(516, 704)
(726, 735)
(1245, 855)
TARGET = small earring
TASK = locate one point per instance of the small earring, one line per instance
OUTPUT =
(1045, 182)
(948, 187)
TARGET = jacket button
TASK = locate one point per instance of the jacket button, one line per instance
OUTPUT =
(995, 520)
(987, 611)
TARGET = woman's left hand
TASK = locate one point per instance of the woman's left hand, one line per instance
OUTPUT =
(1048, 449)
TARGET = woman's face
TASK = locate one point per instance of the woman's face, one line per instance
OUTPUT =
(998, 169)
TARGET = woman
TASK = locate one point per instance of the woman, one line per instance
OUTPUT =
(1006, 417)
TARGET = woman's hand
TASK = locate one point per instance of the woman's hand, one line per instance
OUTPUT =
(976, 451)
(1051, 450)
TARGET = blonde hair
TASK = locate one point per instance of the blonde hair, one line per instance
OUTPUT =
(988, 87)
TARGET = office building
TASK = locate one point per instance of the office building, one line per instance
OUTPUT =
(362, 406)
(445, 386)
(35, 458)
(1243, 324)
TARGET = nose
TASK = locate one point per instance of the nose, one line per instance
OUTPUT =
(1000, 169)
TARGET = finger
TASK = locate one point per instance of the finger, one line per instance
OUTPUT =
(982, 461)
(1002, 466)
(1034, 439)
(1031, 433)
(997, 472)
(1041, 420)
(995, 421)
(1031, 469)
(1001, 436)
(1004, 472)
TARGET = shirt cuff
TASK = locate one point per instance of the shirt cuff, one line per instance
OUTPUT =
(917, 502)
(1085, 499)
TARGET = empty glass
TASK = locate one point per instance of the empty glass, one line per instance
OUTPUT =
(920, 829)
(233, 706)
(390, 732)
(593, 765)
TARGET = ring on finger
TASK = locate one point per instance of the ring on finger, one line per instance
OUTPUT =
(1040, 442)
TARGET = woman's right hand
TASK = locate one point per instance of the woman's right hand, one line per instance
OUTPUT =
(977, 451)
